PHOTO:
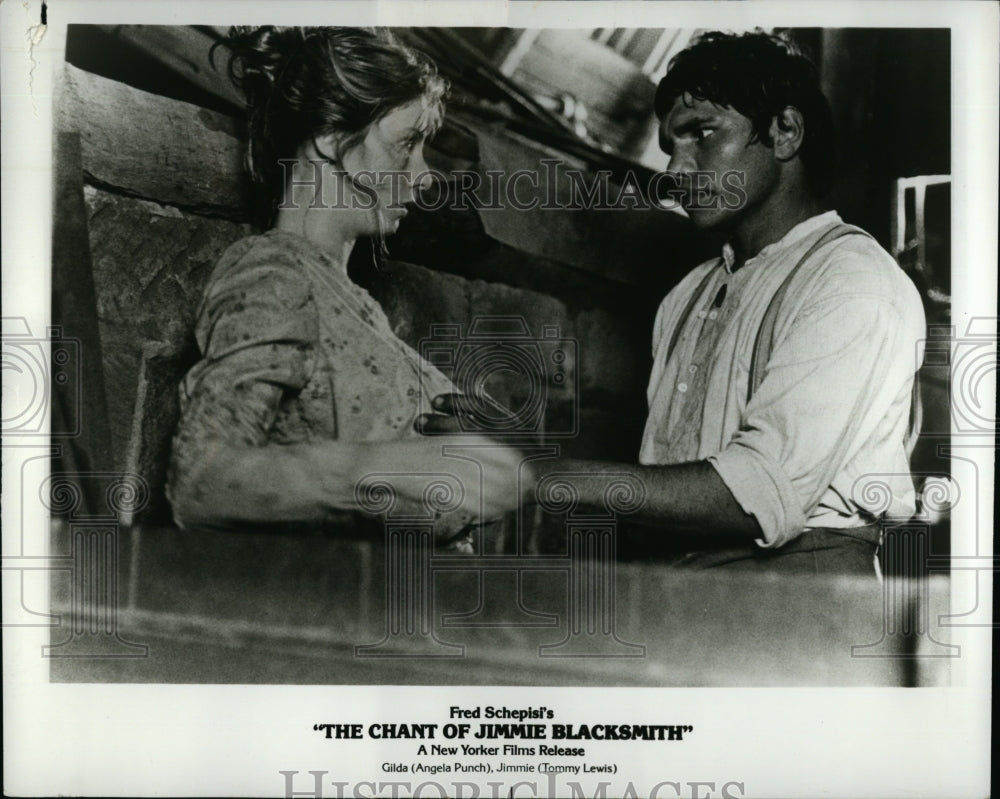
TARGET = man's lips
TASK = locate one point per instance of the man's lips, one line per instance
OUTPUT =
(691, 197)
(700, 200)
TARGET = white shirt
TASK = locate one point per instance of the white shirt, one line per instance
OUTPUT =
(821, 443)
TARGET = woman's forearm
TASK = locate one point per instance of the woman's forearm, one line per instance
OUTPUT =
(304, 482)
(225, 483)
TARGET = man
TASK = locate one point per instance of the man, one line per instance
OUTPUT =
(783, 370)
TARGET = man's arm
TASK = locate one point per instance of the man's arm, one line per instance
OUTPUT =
(686, 496)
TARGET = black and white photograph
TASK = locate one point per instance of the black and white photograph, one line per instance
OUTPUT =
(557, 399)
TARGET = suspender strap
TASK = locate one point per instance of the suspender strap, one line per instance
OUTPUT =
(765, 334)
(688, 310)
(764, 342)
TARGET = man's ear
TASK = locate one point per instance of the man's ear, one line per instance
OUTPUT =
(787, 131)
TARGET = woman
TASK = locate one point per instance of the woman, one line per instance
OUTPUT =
(303, 389)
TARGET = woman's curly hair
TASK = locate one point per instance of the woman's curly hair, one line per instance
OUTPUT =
(301, 83)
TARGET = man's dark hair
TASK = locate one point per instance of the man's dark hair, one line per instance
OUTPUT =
(758, 75)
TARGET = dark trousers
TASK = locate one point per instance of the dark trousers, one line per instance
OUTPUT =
(824, 550)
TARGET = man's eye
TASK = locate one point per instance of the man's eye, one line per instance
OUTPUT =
(703, 133)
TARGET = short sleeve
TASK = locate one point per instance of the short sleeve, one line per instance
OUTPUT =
(259, 310)
(257, 329)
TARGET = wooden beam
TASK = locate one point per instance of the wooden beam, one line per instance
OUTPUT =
(524, 42)
(655, 56)
(80, 410)
(184, 50)
(154, 147)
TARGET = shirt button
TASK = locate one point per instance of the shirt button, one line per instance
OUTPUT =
(702, 314)
(682, 387)
(713, 314)
(693, 368)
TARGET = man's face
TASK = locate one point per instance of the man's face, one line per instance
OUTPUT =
(725, 175)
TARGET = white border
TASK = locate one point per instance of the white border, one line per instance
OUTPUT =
(232, 740)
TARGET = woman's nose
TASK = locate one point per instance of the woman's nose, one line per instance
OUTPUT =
(422, 178)
(423, 181)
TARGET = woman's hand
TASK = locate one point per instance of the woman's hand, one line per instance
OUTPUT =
(467, 474)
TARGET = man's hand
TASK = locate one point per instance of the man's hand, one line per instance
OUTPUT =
(445, 421)
(463, 413)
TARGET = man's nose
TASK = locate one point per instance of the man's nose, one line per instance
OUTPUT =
(680, 165)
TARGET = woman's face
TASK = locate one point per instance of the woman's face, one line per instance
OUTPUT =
(387, 167)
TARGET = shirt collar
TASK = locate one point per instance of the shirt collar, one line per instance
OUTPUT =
(797, 233)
